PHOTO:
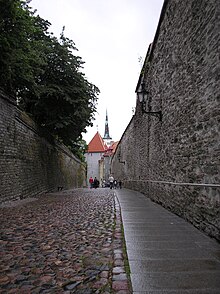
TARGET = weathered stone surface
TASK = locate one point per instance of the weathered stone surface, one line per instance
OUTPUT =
(68, 250)
(182, 79)
(30, 163)
(120, 285)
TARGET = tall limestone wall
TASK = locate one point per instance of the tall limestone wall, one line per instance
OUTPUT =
(30, 162)
(176, 161)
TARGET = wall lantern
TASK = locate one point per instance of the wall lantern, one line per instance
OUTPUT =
(143, 96)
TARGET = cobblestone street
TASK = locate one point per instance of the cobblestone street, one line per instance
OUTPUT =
(64, 242)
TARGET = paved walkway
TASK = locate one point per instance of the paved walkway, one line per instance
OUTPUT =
(166, 254)
(65, 242)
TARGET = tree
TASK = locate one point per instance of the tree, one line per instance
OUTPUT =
(65, 101)
(79, 148)
(43, 74)
(21, 45)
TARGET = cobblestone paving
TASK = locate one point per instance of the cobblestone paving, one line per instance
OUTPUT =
(66, 242)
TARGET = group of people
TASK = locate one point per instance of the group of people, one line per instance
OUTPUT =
(113, 183)
(94, 183)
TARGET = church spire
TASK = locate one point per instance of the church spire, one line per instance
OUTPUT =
(106, 134)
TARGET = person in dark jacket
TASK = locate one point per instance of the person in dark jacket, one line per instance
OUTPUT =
(95, 183)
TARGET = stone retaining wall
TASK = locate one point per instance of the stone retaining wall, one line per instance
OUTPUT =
(181, 74)
(30, 162)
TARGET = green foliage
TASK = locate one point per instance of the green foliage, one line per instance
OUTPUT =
(21, 58)
(79, 148)
(43, 74)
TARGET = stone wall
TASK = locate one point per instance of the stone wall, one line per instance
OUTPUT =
(30, 162)
(176, 161)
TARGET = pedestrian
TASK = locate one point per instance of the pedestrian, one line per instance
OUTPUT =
(91, 182)
(111, 180)
(95, 183)
(103, 183)
(115, 184)
(120, 184)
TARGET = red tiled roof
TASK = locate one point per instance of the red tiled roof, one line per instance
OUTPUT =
(114, 145)
(111, 149)
(96, 144)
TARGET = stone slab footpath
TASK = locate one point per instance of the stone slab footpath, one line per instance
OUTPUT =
(66, 242)
(167, 255)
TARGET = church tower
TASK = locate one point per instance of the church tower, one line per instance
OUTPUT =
(106, 134)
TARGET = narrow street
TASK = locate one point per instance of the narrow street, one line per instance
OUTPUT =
(64, 242)
(73, 242)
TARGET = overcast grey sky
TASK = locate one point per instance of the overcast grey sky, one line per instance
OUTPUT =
(111, 36)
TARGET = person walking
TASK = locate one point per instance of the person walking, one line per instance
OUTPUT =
(111, 180)
(91, 182)
(95, 183)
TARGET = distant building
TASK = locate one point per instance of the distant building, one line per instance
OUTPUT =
(107, 139)
(99, 154)
(94, 154)
(107, 159)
